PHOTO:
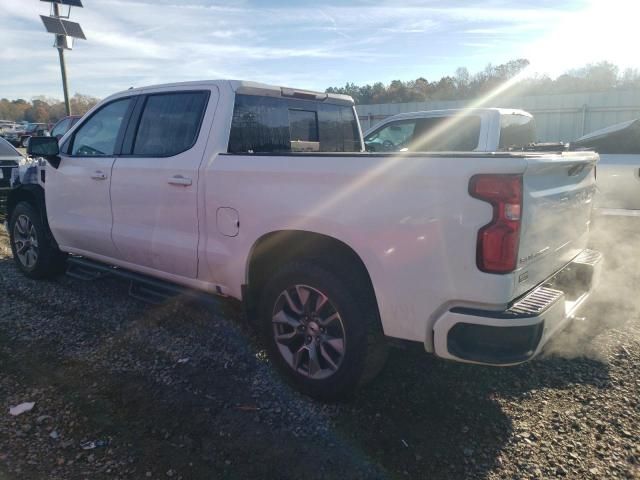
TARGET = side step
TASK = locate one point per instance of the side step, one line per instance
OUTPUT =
(142, 287)
(82, 272)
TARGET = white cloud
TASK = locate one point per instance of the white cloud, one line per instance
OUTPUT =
(141, 42)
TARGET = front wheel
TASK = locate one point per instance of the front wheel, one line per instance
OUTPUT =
(322, 329)
(34, 250)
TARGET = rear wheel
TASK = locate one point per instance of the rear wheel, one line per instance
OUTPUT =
(34, 250)
(322, 329)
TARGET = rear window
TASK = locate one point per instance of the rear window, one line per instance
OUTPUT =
(516, 131)
(280, 125)
(170, 123)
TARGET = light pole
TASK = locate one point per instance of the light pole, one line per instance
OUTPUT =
(65, 31)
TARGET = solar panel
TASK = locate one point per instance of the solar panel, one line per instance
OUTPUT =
(71, 3)
(63, 27)
(73, 29)
(53, 25)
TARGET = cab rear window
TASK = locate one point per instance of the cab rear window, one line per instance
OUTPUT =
(281, 125)
(516, 131)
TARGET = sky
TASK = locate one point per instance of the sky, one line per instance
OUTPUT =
(311, 45)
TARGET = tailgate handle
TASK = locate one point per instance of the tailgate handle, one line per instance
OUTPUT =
(180, 180)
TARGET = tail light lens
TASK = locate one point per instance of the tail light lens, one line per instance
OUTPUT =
(497, 248)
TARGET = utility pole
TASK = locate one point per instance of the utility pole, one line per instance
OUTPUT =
(60, 41)
(65, 31)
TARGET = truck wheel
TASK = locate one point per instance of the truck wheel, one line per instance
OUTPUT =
(322, 329)
(34, 251)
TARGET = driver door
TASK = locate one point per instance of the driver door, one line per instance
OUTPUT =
(77, 193)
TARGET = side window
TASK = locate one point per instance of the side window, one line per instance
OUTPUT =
(61, 128)
(391, 138)
(516, 131)
(170, 123)
(99, 134)
(447, 134)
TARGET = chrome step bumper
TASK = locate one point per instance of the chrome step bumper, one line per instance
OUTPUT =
(518, 333)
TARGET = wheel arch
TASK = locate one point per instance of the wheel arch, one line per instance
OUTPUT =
(278, 247)
(34, 195)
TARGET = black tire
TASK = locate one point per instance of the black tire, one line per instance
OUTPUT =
(49, 261)
(365, 348)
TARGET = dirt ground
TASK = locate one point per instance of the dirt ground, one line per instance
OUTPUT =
(184, 391)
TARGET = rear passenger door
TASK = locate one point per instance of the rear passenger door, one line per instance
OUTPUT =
(154, 187)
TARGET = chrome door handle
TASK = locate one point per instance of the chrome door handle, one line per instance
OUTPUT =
(98, 175)
(180, 180)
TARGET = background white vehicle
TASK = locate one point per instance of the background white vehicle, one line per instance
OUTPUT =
(481, 257)
(10, 158)
(453, 130)
(618, 168)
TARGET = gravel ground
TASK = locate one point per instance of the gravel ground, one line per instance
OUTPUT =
(183, 390)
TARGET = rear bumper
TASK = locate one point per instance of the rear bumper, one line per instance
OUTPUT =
(518, 334)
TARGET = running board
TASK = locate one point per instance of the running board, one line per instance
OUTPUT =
(142, 287)
(83, 272)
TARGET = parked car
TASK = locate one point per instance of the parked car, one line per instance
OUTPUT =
(453, 130)
(7, 128)
(480, 257)
(20, 138)
(63, 125)
(618, 169)
(10, 158)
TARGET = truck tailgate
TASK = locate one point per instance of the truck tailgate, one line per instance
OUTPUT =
(558, 192)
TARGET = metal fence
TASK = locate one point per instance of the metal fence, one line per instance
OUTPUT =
(563, 117)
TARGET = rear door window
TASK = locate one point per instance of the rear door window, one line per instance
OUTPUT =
(279, 125)
(169, 123)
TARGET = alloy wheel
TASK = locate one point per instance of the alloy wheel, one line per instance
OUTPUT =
(25, 241)
(309, 332)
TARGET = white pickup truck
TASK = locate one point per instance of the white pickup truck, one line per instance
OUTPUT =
(265, 194)
(453, 130)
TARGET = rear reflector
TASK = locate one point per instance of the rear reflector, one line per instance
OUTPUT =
(498, 241)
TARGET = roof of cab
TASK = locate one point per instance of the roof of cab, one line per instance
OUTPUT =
(250, 88)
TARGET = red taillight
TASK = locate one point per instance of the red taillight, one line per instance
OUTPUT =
(497, 250)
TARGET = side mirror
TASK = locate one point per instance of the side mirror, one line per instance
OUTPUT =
(46, 147)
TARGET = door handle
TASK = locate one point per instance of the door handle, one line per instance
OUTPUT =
(180, 180)
(98, 175)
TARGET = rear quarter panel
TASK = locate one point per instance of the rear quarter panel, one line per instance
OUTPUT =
(409, 218)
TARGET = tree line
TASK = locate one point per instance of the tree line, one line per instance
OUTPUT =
(598, 77)
(42, 109)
